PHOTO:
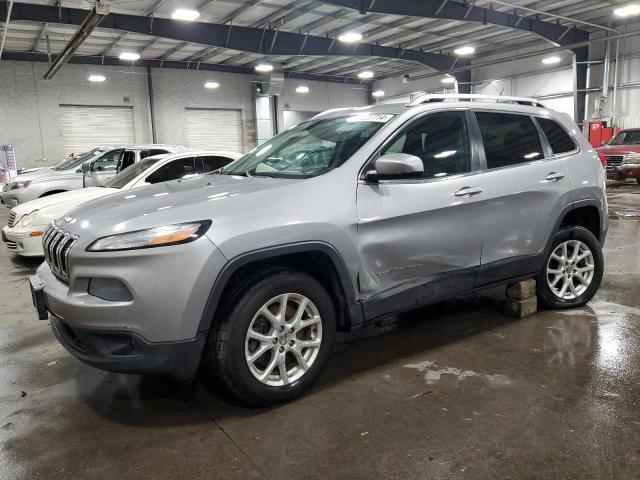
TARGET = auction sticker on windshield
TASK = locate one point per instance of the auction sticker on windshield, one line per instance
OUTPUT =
(371, 117)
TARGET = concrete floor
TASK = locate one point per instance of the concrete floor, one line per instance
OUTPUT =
(453, 391)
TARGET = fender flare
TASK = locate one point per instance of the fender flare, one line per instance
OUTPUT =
(354, 306)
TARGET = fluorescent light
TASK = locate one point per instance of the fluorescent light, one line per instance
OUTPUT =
(302, 89)
(97, 78)
(551, 60)
(211, 85)
(264, 67)
(466, 50)
(449, 79)
(350, 37)
(129, 56)
(185, 14)
(366, 75)
(378, 93)
(628, 10)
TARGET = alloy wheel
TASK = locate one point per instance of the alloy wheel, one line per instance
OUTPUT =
(570, 269)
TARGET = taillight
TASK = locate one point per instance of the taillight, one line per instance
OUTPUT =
(603, 159)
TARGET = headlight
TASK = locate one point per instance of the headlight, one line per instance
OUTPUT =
(633, 158)
(152, 237)
(17, 185)
(27, 219)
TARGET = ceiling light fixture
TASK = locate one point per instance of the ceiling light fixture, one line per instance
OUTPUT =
(350, 37)
(378, 93)
(97, 78)
(211, 85)
(466, 50)
(302, 89)
(264, 67)
(132, 56)
(628, 10)
(551, 60)
(449, 79)
(366, 75)
(185, 14)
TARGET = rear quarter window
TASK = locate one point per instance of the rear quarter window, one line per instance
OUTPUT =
(557, 136)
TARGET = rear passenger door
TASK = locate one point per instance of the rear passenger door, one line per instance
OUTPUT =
(524, 189)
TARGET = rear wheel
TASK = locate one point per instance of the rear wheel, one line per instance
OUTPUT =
(273, 339)
(572, 271)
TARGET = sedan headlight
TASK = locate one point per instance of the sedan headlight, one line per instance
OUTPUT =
(17, 185)
(633, 158)
(152, 237)
(27, 219)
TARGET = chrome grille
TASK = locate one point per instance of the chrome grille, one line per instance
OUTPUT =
(614, 161)
(56, 244)
(12, 219)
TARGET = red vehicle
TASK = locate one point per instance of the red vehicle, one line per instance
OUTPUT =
(622, 155)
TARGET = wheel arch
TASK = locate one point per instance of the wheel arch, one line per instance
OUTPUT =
(584, 213)
(318, 259)
(52, 192)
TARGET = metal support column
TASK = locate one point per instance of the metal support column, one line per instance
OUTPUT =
(580, 55)
(464, 81)
(152, 107)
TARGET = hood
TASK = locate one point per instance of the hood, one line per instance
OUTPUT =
(618, 149)
(54, 175)
(200, 198)
(29, 170)
(65, 201)
(32, 175)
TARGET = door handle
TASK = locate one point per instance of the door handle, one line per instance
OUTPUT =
(554, 177)
(468, 191)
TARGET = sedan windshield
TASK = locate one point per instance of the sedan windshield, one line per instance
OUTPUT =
(77, 160)
(129, 173)
(311, 148)
(627, 138)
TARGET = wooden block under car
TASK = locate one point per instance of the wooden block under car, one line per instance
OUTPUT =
(521, 290)
(521, 308)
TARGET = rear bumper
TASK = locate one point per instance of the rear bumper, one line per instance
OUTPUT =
(126, 352)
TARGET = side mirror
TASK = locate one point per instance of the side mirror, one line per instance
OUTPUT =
(396, 166)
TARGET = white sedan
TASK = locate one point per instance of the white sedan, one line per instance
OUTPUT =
(28, 221)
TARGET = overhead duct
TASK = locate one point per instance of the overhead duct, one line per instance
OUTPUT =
(96, 15)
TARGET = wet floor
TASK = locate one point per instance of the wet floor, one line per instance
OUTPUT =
(453, 391)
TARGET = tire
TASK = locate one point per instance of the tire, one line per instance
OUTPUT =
(229, 346)
(557, 269)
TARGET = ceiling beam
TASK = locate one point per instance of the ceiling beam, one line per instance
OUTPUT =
(246, 39)
(454, 10)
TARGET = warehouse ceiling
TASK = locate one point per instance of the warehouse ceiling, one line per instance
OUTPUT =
(406, 34)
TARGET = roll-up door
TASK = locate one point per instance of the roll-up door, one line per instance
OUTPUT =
(214, 129)
(84, 127)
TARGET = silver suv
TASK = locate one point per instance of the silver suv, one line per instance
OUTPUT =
(355, 214)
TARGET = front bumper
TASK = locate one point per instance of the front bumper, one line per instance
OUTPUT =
(624, 171)
(12, 198)
(20, 241)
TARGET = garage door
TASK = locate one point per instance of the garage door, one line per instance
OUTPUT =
(215, 129)
(83, 127)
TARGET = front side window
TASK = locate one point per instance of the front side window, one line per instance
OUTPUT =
(558, 138)
(107, 162)
(128, 159)
(211, 163)
(440, 140)
(175, 170)
(125, 176)
(311, 148)
(509, 139)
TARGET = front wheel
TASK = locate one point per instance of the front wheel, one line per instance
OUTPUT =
(273, 339)
(572, 271)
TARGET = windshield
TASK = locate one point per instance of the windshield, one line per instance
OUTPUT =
(309, 149)
(627, 138)
(77, 160)
(129, 173)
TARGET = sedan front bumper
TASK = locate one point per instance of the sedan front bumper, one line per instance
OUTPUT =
(22, 242)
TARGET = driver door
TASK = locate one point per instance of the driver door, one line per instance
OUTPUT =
(103, 168)
(421, 239)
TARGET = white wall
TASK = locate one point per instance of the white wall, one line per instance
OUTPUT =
(29, 106)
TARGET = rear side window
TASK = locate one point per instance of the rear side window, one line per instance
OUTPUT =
(151, 153)
(214, 162)
(440, 140)
(509, 139)
(557, 136)
(175, 170)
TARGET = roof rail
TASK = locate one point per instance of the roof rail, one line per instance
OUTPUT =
(471, 97)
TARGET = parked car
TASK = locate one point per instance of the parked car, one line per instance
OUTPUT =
(93, 171)
(28, 221)
(250, 273)
(622, 155)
